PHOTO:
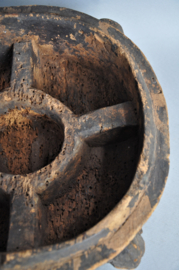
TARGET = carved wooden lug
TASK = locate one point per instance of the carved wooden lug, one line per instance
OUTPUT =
(131, 256)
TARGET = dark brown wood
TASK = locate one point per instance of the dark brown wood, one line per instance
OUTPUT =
(22, 66)
(24, 228)
(108, 124)
(83, 140)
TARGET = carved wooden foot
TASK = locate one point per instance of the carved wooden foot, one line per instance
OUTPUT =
(131, 256)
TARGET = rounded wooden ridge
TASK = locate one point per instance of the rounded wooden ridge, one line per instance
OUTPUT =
(84, 140)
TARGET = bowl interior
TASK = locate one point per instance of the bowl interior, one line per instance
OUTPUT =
(85, 72)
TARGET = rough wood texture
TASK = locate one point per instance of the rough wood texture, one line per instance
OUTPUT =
(83, 139)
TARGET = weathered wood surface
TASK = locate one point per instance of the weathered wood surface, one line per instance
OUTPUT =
(78, 205)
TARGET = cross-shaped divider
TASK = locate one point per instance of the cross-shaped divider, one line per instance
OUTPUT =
(30, 191)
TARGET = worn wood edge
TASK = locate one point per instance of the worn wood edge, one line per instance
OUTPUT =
(151, 210)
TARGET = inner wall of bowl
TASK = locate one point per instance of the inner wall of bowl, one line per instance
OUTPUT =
(85, 72)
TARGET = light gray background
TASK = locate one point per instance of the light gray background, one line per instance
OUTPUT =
(154, 27)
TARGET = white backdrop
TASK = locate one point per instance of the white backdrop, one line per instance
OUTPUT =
(154, 27)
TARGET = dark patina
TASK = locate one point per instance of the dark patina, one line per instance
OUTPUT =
(84, 143)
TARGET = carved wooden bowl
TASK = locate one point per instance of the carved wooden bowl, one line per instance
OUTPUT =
(84, 141)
